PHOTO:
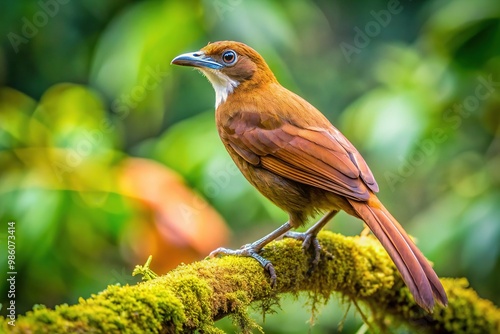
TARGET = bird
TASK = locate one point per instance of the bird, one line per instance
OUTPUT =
(294, 156)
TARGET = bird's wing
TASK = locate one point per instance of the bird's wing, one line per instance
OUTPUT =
(318, 157)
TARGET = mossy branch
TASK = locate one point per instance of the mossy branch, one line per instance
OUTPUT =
(192, 297)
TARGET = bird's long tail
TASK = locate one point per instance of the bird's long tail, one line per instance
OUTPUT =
(416, 271)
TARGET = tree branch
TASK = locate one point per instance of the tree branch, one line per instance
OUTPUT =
(191, 297)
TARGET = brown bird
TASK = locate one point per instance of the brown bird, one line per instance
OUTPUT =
(295, 157)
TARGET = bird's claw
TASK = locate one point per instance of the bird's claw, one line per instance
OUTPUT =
(309, 240)
(249, 251)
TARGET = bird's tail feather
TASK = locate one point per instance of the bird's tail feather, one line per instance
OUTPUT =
(416, 271)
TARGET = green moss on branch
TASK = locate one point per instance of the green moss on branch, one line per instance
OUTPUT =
(192, 297)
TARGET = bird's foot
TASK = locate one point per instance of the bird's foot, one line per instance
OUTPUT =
(309, 241)
(249, 250)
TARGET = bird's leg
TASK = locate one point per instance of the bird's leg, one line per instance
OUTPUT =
(309, 237)
(365, 232)
(252, 250)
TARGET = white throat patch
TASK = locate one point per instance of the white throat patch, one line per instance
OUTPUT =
(223, 85)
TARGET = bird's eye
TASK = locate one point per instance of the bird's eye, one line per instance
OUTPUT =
(229, 57)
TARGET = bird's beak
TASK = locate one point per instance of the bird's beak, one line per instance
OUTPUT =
(196, 59)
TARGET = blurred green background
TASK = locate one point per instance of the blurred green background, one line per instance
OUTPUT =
(108, 154)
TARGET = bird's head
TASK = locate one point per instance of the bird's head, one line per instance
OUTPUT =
(229, 66)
